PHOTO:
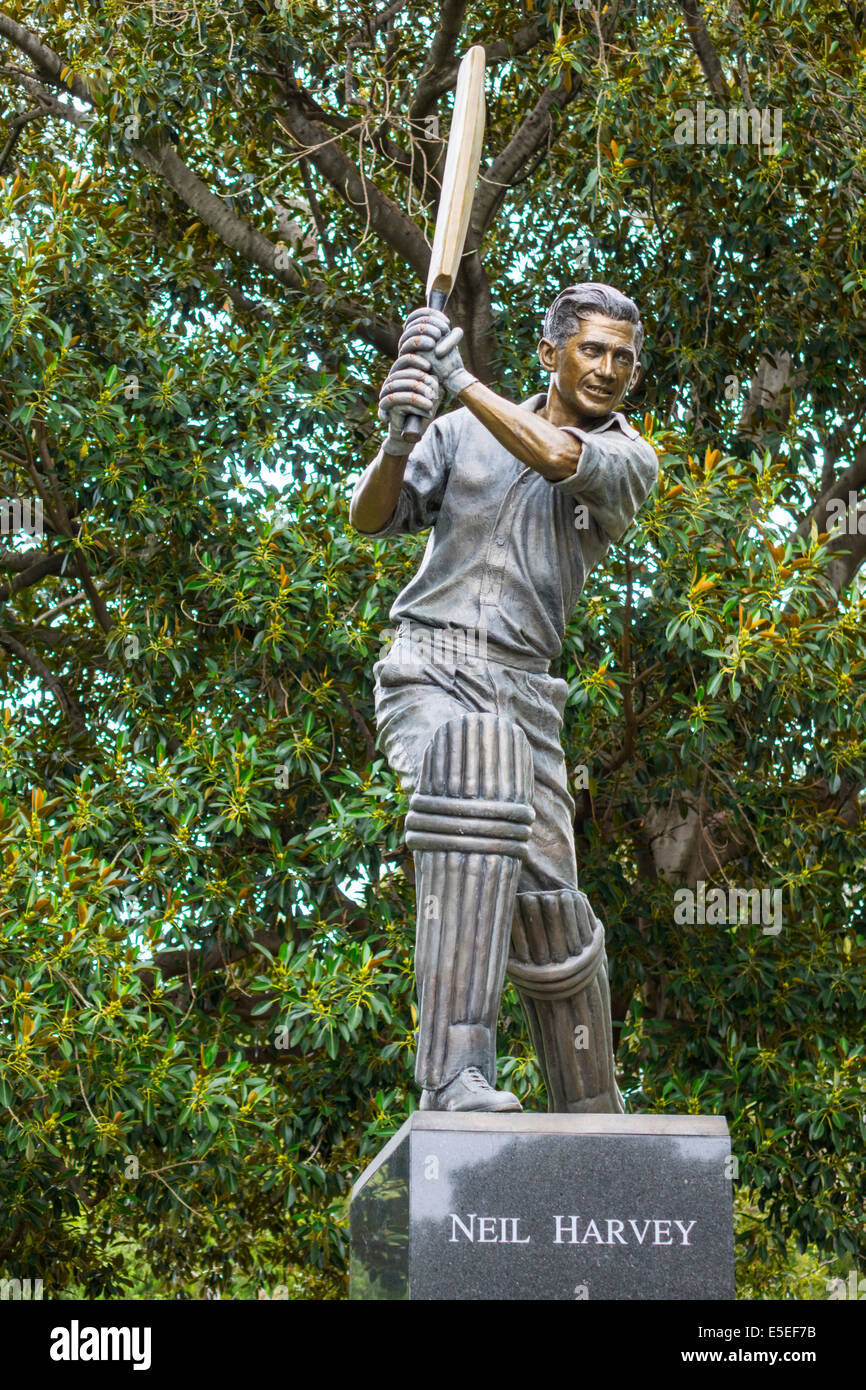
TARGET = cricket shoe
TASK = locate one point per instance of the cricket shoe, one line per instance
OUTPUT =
(470, 1090)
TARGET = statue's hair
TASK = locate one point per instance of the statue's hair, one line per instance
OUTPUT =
(579, 301)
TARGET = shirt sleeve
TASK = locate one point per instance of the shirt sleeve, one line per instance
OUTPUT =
(615, 475)
(424, 482)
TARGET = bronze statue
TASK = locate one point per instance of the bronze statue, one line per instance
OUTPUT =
(522, 500)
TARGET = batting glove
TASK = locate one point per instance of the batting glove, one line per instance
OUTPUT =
(429, 331)
(410, 388)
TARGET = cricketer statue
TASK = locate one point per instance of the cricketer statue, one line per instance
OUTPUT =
(521, 501)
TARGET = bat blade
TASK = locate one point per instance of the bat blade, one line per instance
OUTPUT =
(458, 190)
(461, 173)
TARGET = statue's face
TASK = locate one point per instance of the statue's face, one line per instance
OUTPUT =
(594, 367)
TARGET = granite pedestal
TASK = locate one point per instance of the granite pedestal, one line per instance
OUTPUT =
(548, 1207)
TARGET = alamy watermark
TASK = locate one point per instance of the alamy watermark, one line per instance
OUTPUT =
(417, 645)
(21, 515)
(846, 518)
(738, 125)
(77, 1343)
(718, 907)
(17, 1289)
(852, 1287)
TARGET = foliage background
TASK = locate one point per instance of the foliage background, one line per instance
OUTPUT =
(215, 217)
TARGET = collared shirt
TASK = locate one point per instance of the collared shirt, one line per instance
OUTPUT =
(510, 551)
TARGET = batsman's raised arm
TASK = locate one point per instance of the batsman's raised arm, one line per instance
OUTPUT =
(414, 386)
(527, 436)
(576, 441)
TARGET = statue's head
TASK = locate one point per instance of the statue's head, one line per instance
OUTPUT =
(591, 346)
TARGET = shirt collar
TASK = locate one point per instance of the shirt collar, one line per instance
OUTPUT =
(616, 420)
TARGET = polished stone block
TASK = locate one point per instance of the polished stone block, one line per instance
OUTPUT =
(546, 1207)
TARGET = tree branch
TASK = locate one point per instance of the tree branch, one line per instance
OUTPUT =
(96, 600)
(51, 106)
(399, 158)
(838, 489)
(318, 215)
(369, 29)
(441, 80)
(366, 200)
(69, 707)
(253, 246)
(242, 302)
(15, 128)
(215, 213)
(735, 15)
(497, 178)
(47, 63)
(695, 846)
(770, 390)
(20, 559)
(852, 548)
(48, 636)
(703, 46)
(473, 295)
(439, 57)
(211, 210)
(45, 564)
(440, 74)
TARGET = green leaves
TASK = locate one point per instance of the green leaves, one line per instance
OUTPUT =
(211, 912)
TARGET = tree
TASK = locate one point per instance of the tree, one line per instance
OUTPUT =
(215, 219)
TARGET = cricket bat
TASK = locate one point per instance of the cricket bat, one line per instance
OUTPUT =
(458, 190)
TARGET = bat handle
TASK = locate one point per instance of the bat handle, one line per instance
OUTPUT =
(413, 425)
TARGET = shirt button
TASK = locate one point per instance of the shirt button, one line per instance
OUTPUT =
(500, 540)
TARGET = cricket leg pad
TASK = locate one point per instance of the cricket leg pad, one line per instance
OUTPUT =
(469, 822)
(559, 966)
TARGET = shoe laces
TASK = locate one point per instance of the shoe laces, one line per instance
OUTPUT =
(478, 1077)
